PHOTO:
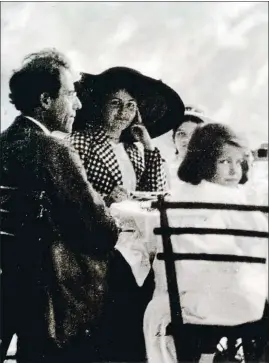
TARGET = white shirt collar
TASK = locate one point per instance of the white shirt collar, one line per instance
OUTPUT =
(46, 131)
(57, 134)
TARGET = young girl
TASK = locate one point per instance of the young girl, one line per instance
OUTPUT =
(211, 293)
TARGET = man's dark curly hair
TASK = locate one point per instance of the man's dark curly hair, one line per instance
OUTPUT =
(39, 73)
(204, 148)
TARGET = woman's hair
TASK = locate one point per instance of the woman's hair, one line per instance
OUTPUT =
(245, 169)
(204, 148)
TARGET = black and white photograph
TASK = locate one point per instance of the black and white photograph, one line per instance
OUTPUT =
(134, 182)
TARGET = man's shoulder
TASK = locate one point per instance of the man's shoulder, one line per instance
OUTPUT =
(22, 136)
(23, 130)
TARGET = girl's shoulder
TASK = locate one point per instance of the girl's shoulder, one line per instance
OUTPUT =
(207, 192)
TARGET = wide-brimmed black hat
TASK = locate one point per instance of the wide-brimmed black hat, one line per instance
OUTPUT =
(160, 106)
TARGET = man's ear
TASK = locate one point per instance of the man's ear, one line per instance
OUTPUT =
(45, 100)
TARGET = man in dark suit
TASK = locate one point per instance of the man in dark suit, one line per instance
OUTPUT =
(57, 237)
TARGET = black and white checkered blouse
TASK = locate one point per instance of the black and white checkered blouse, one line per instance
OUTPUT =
(102, 167)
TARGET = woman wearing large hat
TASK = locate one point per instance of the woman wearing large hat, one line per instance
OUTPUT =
(122, 110)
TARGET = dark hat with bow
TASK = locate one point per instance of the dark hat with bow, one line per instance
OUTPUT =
(160, 106)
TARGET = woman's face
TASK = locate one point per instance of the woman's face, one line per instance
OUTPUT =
(183, 135)
(119, 111)
(228, 166)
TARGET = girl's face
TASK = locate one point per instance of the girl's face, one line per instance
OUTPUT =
(228, 166)
(119, 111)
(183, 135)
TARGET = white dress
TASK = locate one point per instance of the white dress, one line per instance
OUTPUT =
(256, 188)
(211, 293)
(125, 165)
(173, 169)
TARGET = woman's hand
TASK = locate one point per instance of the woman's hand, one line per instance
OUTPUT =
(141, 134)
(118, 195)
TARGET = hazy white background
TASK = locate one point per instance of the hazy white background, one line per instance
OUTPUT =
(213, 54)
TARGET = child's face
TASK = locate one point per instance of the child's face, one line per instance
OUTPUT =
(228, 166)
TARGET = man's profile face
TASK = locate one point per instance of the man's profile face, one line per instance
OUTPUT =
(63, 108)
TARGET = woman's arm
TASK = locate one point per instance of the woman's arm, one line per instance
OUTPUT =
(154, 178)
